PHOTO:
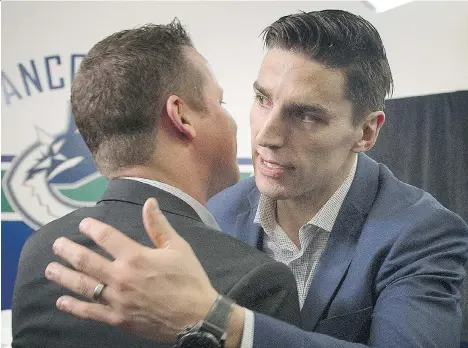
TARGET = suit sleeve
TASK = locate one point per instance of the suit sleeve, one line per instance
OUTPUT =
(417, 294)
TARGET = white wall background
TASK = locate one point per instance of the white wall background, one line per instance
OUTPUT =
(426, 42)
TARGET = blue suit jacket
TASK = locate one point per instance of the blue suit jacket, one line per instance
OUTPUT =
(389, 276)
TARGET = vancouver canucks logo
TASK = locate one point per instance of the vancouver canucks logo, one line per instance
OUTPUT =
(42, 181)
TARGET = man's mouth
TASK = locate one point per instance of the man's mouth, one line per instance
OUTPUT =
(273, 165)
(272, 168)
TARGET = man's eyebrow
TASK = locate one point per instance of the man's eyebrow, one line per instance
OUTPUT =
(303, 108)
(261, 89)
(296, 107)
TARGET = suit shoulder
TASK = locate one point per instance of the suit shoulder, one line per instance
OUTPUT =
(232, 199)
(40, 241)
(72, 218)
(403, 215)
(234, 193)
(411, 203)
(205, 239)
(232, 256)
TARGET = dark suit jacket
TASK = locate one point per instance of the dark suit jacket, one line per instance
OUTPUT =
(235, 269)
(389, 276)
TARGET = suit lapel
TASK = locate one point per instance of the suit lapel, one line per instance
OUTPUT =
(332, 266)
(338, 253)
(248, 231)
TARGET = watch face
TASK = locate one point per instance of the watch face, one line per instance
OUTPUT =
(199, 340)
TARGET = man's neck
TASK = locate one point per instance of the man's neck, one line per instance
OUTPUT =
(292, 214)
(185, 183)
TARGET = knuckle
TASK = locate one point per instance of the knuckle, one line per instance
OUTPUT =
(80, 261)
(135, 261)
(123, 282)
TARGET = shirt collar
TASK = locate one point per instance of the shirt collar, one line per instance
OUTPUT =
(325, 217)
(201, 210)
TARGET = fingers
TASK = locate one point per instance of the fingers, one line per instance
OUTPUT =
(77, 282)
(110, 239)
(156, 225)
(88, 310)
(83, 259)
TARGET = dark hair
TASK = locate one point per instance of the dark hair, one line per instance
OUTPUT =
(339, 39)
(122, 86)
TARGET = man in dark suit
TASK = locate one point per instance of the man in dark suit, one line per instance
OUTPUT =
(378, 263)
(150, 112)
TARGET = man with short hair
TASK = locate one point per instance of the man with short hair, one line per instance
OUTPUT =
(378, 263)
(151, 113)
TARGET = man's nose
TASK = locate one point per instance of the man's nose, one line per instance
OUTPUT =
(272, 133)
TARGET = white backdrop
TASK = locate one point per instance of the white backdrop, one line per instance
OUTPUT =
(426, 42)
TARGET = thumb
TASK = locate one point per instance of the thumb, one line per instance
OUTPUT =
(157, 227)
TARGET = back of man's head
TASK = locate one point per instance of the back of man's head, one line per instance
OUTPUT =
(122, 86)
(339, 39)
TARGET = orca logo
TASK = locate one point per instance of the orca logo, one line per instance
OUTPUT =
(39, 181)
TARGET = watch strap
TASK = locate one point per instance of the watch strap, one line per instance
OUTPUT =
(215, 323)
(217, 319)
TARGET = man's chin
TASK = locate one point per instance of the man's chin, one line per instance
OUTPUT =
(270, 189)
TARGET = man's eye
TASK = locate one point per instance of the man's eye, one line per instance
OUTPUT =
(262, 100)
(306, 118)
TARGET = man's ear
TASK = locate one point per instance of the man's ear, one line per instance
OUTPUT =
(178, 113)
(369, 129)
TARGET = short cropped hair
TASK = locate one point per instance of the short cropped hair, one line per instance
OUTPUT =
(339, 39)
(122, 86)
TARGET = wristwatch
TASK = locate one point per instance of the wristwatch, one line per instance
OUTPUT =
(210, 332)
